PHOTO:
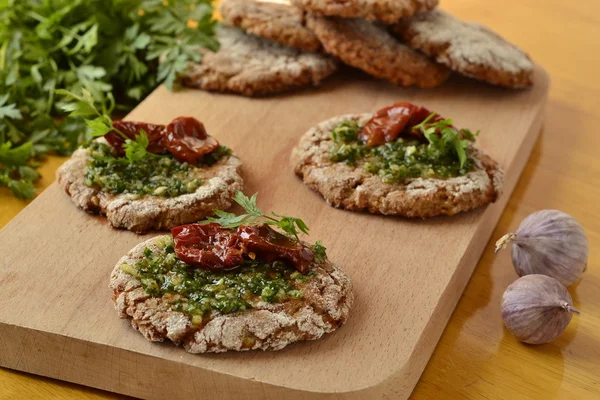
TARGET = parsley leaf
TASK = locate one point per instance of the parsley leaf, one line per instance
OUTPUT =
(254, 216)
(22, 189)
(16, 156)
(248, 204)
(9, 110)
(99, 126)
(136, 150)
(229, 220)
(289, 224)
(85, 106)
(444, 138)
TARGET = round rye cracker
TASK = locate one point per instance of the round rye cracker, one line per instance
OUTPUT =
(278, 21)
(252, 66)
(324, 307)
(373, 49)
(352, 188)
(143, 213)
(388, 11)
(468, 48)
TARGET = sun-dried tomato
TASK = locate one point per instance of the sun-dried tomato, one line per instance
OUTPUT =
(184, 137)
(131, 130)
(271, 245)
(389, 122)
(210, 246)
(187, 140)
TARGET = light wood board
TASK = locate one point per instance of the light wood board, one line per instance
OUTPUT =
(57, 319)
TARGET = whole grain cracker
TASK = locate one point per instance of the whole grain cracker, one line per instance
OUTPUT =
(250, 65)
(350, 187)
(278, 21)
(143, 213)
(324, 307)
(468, 48)
(368, 46)
(388, 11)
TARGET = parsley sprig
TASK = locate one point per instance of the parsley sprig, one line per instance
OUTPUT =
(254, 216)
(444, 138)
(99, 122)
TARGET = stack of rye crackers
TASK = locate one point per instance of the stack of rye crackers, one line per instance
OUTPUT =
(274, 46)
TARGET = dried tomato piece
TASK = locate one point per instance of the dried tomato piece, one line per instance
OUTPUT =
(187, 140)
(271, 246)
(389, 122)
(208, 246)
(131, 129)
(184, 137)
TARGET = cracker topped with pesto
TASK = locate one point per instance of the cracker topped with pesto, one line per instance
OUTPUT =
(232, 283)
(403, 160)
(146, 176)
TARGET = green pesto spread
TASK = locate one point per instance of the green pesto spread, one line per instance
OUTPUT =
(154, 175)
(197, 292)
(401, 159)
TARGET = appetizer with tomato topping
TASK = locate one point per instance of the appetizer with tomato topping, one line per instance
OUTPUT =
(236, 282)
(146, 176)
(403, 160)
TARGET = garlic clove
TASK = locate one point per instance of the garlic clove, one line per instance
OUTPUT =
(548, 242)
(537, 308)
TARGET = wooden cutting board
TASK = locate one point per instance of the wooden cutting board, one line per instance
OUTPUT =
(57, 319)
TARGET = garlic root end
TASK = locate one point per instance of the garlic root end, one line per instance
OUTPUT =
(570, 308)
(504, 241)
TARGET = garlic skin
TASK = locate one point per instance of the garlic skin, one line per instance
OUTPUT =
(549, 242)
(537, 308)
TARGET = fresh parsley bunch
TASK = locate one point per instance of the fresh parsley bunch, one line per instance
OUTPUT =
(110, 48)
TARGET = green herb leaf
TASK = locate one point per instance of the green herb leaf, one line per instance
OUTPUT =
(289, 225)
(459, 147)
(248, 204)
(85, 105)
(9, 110)
(228, 220)
(99, 126)
(22, 189)
(16, 156)
(444, 138)
(27, 173)
(136, 150)
(254, 216)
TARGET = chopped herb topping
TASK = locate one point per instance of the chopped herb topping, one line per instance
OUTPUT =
(197, 292)
(151, 175)
(319, 251)
(444, 154)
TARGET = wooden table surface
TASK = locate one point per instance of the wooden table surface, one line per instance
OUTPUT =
(476, 356)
